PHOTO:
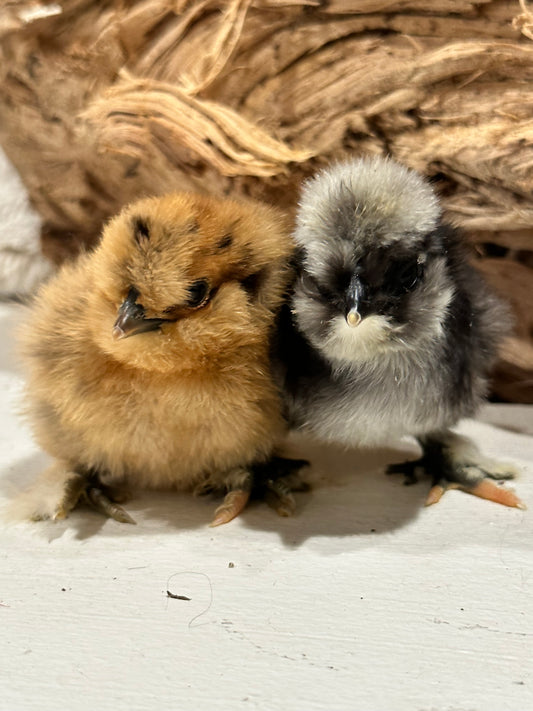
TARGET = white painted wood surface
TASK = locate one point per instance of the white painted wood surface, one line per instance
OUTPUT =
(364, 601)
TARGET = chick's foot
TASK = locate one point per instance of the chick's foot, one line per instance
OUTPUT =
(276, 480)
(454, 462)
(273, 481)
(60, 489)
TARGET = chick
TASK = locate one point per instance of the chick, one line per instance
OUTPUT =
(148, 359)
(391, 331)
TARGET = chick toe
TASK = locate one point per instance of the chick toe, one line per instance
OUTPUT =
(410, 469)
(75, 486)
(234, 502)
(476, 481)
(237, 483)
(276, 480)
(279, 497)
(101, 500)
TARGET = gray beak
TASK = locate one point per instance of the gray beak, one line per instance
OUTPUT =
(131, 319)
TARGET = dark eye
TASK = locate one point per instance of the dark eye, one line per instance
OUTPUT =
(313, 288)
(402, 277)
(198, 292)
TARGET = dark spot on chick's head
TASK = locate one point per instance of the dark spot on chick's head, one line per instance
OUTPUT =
(225, 242)
(253, 282)
(141, 231)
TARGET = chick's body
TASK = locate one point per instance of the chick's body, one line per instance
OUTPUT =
(391, 331)
(148, 359)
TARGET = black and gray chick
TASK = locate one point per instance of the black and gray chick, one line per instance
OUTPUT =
(390, 330)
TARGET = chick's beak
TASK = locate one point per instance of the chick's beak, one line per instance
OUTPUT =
(353, 298)
(353, 318)
(131, 319)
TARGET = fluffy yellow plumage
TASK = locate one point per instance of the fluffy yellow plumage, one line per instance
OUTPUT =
(148, 359)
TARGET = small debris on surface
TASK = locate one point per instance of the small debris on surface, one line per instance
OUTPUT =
(231, 565)
(177, 597)
(183, 597)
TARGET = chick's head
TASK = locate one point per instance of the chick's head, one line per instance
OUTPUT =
(182, 277)
(374, 275)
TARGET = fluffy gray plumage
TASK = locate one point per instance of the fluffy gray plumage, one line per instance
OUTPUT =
(391, 332)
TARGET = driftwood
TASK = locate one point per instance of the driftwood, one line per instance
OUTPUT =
(103, 101)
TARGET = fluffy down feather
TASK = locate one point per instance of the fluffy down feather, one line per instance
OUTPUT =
(148, 359)
(390, 331)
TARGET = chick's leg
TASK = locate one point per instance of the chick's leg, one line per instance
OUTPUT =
(454, 462)
(59, 489)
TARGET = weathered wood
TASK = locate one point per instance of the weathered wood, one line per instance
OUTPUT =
(101, 102)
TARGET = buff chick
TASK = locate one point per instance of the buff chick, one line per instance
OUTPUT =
(148, 359)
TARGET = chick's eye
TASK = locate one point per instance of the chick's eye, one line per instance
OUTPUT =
(313, 288)
(402, 277)
(197, 292)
